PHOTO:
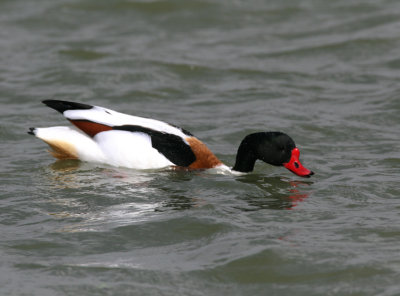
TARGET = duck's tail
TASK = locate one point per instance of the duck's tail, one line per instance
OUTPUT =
(68, 143)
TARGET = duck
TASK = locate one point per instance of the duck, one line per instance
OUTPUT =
(105, 136)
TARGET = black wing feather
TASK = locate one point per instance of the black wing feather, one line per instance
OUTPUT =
(171, 146)
(62, 106)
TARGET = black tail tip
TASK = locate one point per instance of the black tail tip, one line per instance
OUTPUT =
(62, 106)
(32, 131)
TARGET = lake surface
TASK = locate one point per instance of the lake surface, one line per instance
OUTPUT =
(325, 72)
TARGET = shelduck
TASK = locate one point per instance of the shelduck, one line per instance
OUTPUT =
(121, 140)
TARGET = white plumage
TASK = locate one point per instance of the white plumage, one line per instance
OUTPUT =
(132, 150)
(101, 143)
(116, 148)
(113, 118)
(74, 141)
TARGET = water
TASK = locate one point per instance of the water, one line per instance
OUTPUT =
(325, 72)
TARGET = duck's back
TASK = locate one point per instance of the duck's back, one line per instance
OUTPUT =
(123, 140)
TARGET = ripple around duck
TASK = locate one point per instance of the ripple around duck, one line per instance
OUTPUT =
(150, 7)
(325, 73)
(83, 54)
(351, 48)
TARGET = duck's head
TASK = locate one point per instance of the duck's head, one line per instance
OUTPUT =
(275, 148)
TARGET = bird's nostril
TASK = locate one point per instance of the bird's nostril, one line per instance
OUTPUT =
(296, 165)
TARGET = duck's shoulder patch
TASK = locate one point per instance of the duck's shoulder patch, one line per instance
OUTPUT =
(173, 147)
(89, 127)
(205, 159)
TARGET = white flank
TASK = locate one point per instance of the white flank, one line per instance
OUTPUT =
(131, 150)
(114, 147)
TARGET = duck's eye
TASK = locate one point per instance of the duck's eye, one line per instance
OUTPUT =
(296, 164)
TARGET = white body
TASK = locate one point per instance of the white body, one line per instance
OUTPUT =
(116, 148)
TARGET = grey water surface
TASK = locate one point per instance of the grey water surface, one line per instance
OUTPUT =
(325, 72)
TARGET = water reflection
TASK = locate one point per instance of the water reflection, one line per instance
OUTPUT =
(62, 173)
(94, 198)
(76, 174)
(180, 202)
(273, 192)
(112, 217)
(102, 198)
(180, 194)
